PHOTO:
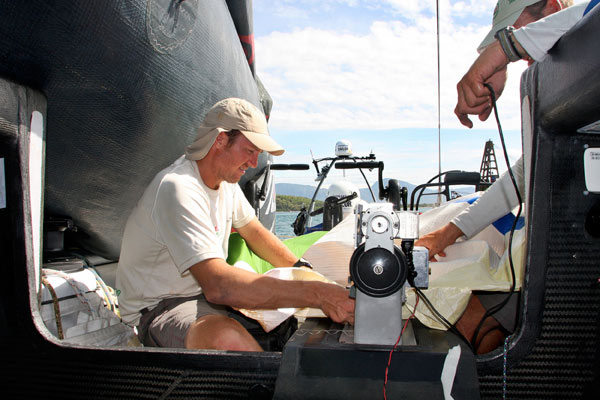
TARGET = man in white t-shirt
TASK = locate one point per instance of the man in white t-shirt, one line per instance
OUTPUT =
(173, 281)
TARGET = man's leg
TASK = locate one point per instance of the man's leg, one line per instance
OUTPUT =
(221, 333)
(491, 333)
(194, 323)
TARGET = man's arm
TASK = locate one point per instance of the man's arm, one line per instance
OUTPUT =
(224, 284)
(498, 200)
(473, 97)
(439, 239)
(266, 245)
(532, 42)
(538, 37)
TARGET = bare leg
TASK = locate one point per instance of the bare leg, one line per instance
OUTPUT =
(221, 333)
(490, 336)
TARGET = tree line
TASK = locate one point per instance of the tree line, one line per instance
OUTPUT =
(294, 203)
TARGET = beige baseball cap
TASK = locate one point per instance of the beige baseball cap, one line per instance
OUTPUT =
(229, 114)
(506, 13)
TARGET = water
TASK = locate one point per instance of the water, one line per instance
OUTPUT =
(284, 221)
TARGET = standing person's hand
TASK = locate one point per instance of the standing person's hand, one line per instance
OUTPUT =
(473, 97)
(438, 240)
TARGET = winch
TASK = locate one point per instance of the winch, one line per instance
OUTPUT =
(380, 270)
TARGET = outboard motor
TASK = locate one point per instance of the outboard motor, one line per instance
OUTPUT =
(380, 271)
(341, 189)
(332, 213)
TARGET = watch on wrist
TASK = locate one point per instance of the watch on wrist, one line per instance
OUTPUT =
(504, 38)
(302, 263)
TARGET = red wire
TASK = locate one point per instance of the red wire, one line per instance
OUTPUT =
(412, 315)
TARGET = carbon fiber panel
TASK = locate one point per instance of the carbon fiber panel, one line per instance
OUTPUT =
(564, 360)
(109, 376)
(556, 354)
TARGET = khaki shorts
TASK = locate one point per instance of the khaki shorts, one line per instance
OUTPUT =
(166, 325)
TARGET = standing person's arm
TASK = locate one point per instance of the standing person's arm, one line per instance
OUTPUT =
(537, 38)
(497, 201)
(532, 42)
(437, 241)
(473, 96)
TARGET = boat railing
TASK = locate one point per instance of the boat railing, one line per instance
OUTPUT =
(451, 178)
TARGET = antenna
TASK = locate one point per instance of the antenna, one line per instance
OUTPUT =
(489, 167)
(437, 20)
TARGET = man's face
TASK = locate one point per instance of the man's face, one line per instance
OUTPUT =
(533, 13)
(524, 19)
(527, 17)
(239, 155)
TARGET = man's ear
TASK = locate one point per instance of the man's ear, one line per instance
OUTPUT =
(222, 139)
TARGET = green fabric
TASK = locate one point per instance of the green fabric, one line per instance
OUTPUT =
(239, 251)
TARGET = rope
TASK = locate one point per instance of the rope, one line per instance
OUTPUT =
(57, 317)
(310, 332)
(78, 292)
(504, 359)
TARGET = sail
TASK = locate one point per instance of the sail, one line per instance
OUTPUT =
(126, 83)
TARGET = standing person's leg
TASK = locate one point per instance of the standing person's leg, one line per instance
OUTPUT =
(496, 327)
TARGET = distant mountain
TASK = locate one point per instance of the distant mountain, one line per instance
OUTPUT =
(292, 189)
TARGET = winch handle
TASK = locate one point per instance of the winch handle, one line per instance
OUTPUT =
(360, 165)
(337, 202)
(283, 167)
(369, 165)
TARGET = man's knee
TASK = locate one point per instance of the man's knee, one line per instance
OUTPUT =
(221, 333)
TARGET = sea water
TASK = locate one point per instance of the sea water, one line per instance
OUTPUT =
(284, 221)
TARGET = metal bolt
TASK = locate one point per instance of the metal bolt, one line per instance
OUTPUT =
(378, 269)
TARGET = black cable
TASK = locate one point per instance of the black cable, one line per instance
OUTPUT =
(492, 329)
(452, 328)
(493, 310)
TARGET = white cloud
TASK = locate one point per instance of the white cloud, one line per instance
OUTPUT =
(381, 78)
(384, 79)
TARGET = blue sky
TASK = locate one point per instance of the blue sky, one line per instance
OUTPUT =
(366, 71)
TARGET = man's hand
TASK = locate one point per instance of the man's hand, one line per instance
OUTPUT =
(337, 304)
(473, 97)
(438, 240)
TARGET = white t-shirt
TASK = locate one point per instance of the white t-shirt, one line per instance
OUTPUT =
(538, 37)
(178, 222)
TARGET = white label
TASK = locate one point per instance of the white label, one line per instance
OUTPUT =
(36, 152)
(591, 166)
(2, 185)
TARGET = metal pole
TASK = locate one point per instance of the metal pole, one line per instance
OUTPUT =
(437, 18)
